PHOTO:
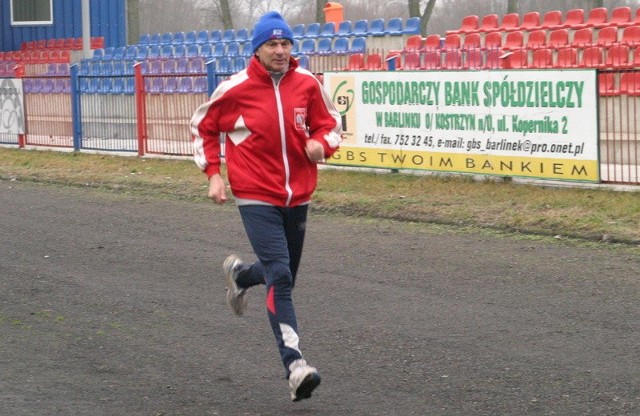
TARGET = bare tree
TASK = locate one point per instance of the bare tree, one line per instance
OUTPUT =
(512, 7)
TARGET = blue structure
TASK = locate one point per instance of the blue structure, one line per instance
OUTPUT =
(108, 19)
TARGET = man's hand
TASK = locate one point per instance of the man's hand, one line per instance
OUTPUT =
(315, 150)
(217, 189)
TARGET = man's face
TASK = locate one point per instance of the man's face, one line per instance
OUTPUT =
(274, 54)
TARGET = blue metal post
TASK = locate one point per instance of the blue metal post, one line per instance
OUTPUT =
(76, 115)
(212, 81)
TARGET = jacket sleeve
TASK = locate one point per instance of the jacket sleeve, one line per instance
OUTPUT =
(205, 132)
(325, 123)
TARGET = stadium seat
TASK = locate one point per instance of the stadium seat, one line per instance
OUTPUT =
(170, 85)
(106, 68)
(473, 59)
(324, 46)
(169, 66)
(327, 30)
(185, 85)
(219, 50)
(631, 36)
(607, 84)
(432, 42)
(412, 61)
(179, 50)
(597, 18)
(344, 28)
(472, 41)
(394, 27)
(312, 30)
(233, 49)
(190, 37)
(246, 49)
(567, 58)
(414, 43)
(144, 39)
(308, 46)
(154, 51)
(493, 40)
(621, 16)
(196, 65)
(178, 37)
(607, 36)
(166, 51)
(558, 38)
(494, 59)
(242, 35)
(192, 49)
(552, 20)
(591, 57)
(303, 61)
(452, 60)
(223, 66)
(537, 39)
(488, 23)
(155, 66)
(582, 38)
(374, 62)
(530, 21)
(542, 58)
(118, 68)
(617, 56)
(412, 26)
(340, 46)
(574, 19)
(358, 45)
(215, 36)
(130, 52)
(298, 31)
(469, 25)
(430, 60)
(510, 22)
(355, 62)
(360, 28)
(202, 37)
(166, 38)
(238, 64)
(451, 42)
(155, 39)
(630, 83)
(206, 50)
(200, 85)
(228, 35)
(182, 65)
(513, 40)
(517, 59)
(376, 28)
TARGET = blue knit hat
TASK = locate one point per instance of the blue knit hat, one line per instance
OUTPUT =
(270, 26)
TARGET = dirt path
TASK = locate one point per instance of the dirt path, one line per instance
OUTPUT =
(114, 305)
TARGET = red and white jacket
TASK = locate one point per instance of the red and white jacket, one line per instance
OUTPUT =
(266, 126)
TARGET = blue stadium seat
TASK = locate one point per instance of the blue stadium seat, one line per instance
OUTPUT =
(47, 86)
(144, 66)
(129, 85)
(118, 68)
(182, 65)
(223, 65)
(360, 28)
(307, 46)
(192, 50)
(376, 28)
(394, 27)
(246, 50)
(298, 31)
(106, 86)
(303, 61)
(228, 35)
(185, 85)
(196, 65)
(166, 51)
(156, 85)
(358, 45)
(190, 37)
(63, 69)
(170, 85)
(142, 52)
(155, 66)
(328, 30)
(84, 85)
(215, 36)
(144, 39)
(238, 64)
(179, 50)
(177, 38)
(130, 52)
(155, 39)
(98, 53)
(106, 68)
(169, 66)
(412, 26)
(118, 53)
(340, 46)
(242, 35)
(233, 49)
(324, 46)
(312, 31)
(84, 67)
(94, 86)
(118, 85)
(344, 28)
(206, 50)
(202, 37)
(219, 50)
(166, 38)
(200, 84)
(154, 51)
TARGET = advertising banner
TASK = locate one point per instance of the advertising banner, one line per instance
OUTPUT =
(12, 102)
(526, 123)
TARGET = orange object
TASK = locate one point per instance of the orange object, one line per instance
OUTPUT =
(333, 12)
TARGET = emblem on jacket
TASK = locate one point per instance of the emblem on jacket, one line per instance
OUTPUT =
(300, 115)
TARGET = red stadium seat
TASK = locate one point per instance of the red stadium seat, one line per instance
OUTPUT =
(530, 21)
(489, 23)
(537, 39)
(631, 36)
(374, 62)
(431, 60)
(552, 20)
(592, 57)
(355, 62)
(621, 16)
(411, 61)
(582, 38)
(494, 59)
(517, 59)
(473, 59)
(493, 40)
(542, 58)
(574, 18)
(469, 24)
(607, 84)
(567, 58)
(452, 60)
(558, 38)
(451, 42)
(472, 41)
(617, 56)
(414, 43)
(597, 18)
(510, 22)
(630, 83)
(607, 36)
(513, 40)
(432, 42)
